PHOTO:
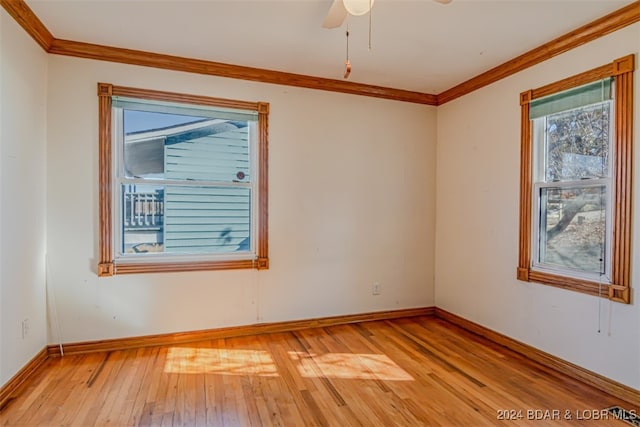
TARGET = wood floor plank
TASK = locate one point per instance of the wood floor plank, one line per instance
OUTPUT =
(305, 411)
(400, 372)
(133, 409)
(104, 382)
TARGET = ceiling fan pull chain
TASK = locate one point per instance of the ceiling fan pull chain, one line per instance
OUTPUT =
(347, 42)
(347, 64)
(370, 13)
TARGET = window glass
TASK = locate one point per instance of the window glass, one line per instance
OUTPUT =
(571, 191)
(185, 180)
(577, 143)
(572, 228)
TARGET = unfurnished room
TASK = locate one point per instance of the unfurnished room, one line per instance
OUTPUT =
(319, 212)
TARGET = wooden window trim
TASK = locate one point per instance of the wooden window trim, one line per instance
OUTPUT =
(619, 287)
(107, 265)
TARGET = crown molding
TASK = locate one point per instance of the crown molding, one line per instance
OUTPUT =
(28, 20)
(199, 66)
(612, 22)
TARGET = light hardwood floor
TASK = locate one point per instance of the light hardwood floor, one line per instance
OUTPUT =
(407, 372)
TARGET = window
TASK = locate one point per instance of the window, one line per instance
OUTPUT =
(575, 192)
(183, 182)
(571, 182)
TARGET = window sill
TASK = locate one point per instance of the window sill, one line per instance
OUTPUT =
(114, 268)
(564, 282)
(611, 291)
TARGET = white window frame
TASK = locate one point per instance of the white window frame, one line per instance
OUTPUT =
(539, 172)
(120, 179)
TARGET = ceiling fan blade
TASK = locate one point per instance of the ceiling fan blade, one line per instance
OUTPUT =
(443, 1)
(336, 15)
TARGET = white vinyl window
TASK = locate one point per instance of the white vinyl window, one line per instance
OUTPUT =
(184, 181)
(572, 182)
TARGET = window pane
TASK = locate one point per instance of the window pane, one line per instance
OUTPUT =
(216, 152)
(183, 147)
(185, 219)
(207, 219)
(572, 228)
(142, 218)
(577, 145)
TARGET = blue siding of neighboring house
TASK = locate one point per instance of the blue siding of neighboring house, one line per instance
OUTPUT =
(201, 219)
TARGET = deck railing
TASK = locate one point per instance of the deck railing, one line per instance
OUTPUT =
(143, 210)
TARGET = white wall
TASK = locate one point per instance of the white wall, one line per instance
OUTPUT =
(23, 116)
(352, 193)
(478, 167)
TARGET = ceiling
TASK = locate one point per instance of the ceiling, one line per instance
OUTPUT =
(418, 45)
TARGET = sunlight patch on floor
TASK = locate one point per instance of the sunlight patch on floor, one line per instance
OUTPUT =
(189, 360)
(349, 366)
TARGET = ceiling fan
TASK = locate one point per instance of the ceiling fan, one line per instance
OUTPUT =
(340, 9)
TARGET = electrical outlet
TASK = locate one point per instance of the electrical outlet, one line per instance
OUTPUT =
(375, 289)
(25, 328)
